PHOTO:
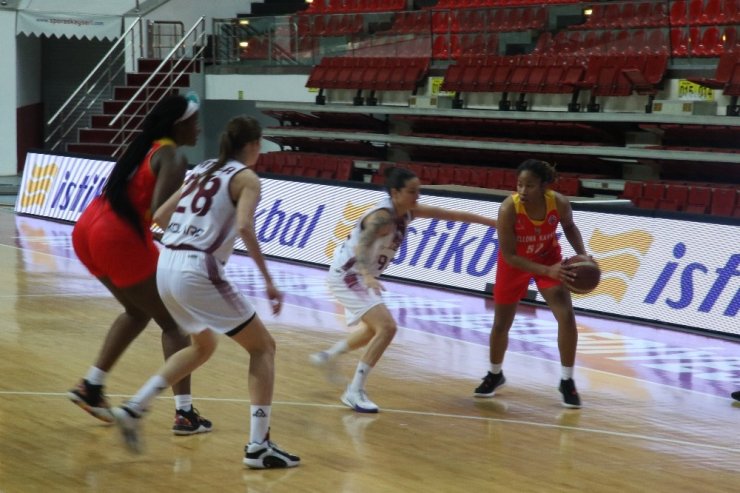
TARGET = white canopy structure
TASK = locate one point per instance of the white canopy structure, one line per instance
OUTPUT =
(101, 19)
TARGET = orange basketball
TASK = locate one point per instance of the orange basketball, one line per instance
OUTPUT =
(587, 273)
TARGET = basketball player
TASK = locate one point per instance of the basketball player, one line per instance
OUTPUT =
(114, 241)
(353, 276)
(529, 248)
(217, 202)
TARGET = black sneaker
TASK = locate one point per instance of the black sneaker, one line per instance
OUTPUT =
(190, 423)
(736, 395)
(490, 383)
(92, 399)
(571, 398)
(267, 455)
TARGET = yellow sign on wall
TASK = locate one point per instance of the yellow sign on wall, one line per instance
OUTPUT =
(436, 83)
(692, 91)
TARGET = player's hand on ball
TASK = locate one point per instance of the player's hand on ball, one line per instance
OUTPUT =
(560, 272)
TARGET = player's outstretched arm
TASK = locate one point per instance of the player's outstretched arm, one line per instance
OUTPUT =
(428, 211)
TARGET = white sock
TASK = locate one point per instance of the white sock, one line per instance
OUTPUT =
(259, 423)
(96, 376)
(566, 372)
(184, 402)
(361, 373)
(340, 347)
(151, 389)
(496, 368)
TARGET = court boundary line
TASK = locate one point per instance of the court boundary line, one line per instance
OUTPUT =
(595, 431)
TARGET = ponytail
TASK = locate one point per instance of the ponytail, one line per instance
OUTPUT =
(240, 131)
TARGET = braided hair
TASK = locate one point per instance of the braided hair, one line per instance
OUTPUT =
(157, 124)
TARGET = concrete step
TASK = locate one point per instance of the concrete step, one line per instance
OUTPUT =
(105, 136)
(149, 65)
(137, 79)
(125, 93)
(98, 150)
(102, 121)
(135, 108)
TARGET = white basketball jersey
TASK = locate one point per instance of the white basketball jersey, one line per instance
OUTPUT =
(382, 250)
(205, 216)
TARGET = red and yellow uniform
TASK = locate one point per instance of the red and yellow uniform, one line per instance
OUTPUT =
(108, 245)
(535, 241)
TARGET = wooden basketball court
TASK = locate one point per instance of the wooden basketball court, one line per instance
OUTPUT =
(643, 427)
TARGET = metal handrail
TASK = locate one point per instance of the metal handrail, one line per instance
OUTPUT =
(276, 52)
(93, 71)
(177, 33)
(182, 65)
(126, 126)
(145, 85)
(89, 92)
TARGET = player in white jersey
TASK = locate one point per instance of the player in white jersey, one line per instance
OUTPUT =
(353, 276)
(217, 202)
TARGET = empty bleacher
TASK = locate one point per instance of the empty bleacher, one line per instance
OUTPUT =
(373, 75)
(521, 56)
(698, 198)
(304, 164)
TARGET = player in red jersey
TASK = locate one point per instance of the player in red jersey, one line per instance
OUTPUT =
(113, 239)
(529, 249)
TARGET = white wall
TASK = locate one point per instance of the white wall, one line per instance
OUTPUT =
(252, 87)
(188, 11)
(229, 95)
(8, 98)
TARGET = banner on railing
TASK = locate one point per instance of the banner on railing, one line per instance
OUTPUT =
(656, 269)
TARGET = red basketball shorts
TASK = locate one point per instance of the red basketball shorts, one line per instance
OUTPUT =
(111, 248)
(511, 283)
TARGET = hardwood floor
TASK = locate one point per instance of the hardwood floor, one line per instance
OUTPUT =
(640, 429)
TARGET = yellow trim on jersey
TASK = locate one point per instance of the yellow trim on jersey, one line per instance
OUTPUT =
(165, 141)
(550, 204)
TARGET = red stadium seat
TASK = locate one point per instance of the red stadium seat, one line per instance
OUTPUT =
(678, 13)
(654, 190)
(494, 178)
(698, 200)
(569, 185)
(723, 201)
(676, 194)
(712, 13)
(710, 44)
(647, 203)
(632, 190)
(461, 175)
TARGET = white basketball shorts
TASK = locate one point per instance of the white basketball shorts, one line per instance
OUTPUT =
(350, 290)
(198, 295)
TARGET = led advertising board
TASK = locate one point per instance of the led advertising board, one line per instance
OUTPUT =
(664, 270)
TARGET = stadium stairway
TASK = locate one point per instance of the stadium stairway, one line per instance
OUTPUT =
(102, 139)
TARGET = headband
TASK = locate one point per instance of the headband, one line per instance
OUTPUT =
(189, 111)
